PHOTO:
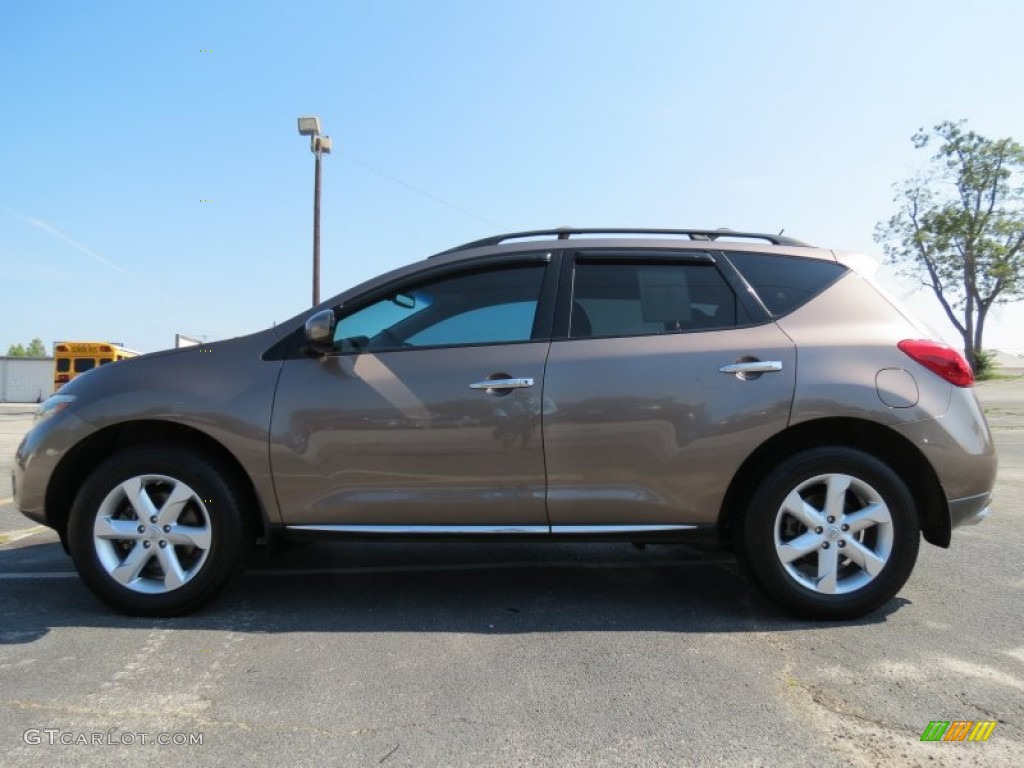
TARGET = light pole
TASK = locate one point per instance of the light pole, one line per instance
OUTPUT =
(309, 125)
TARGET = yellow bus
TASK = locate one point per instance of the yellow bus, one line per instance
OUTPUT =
(71, 358)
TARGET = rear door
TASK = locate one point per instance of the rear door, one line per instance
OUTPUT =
(665, 378)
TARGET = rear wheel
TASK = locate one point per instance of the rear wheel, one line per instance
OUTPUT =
(157, 531)
(831, 533)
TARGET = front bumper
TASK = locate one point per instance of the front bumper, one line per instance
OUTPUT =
(37, 458)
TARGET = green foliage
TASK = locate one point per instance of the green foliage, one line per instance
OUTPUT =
(959, 227)
(984, 364)
(35, 348)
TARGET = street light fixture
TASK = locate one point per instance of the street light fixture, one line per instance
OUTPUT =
(309, 125)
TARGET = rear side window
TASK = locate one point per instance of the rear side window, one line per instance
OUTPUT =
(785, 282)
(637, 299)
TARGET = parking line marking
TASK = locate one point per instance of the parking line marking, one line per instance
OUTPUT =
(39, 575)
(24, 533)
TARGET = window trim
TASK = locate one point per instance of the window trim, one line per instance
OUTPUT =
(539, 332)
(293, 345)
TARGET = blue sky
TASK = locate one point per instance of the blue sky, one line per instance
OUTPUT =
(450, 121)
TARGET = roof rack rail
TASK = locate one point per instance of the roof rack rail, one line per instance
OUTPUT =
(564, 233)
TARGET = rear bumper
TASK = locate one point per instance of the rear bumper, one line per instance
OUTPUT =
(959, 447)
(969, 511)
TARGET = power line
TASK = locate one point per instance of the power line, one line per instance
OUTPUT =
(424, 193)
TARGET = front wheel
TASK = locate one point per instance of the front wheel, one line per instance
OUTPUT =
(157, 531)
(831, 533)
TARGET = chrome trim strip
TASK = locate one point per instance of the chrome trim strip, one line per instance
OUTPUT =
(488, 529)
(618, 528)
(424, 529)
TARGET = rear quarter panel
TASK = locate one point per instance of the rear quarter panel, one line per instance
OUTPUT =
(844, 338)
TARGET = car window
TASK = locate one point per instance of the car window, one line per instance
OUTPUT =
(511, 321)
(785, 282)
(483, 307)
(630, 299)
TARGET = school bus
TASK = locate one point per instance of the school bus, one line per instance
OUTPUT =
(71, 358)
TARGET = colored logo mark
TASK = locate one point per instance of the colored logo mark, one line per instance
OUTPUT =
(958, 730)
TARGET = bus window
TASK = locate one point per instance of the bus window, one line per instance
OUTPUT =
(63, 365)
(83, 364)
(105, 360)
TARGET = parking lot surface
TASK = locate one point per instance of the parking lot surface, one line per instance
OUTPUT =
(477, 655)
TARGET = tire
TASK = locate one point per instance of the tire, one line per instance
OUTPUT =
(830, 533)
(157, 530)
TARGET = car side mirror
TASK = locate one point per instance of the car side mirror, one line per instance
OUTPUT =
(320, 331)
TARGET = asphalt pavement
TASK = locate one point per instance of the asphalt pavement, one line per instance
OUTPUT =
(518, 655)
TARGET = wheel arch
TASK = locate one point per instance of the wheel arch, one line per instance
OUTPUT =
(80, 460)
(894, 449)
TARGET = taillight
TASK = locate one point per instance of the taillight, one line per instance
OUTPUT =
(941, 359)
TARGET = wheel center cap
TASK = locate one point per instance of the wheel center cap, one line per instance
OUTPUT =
(153, 533)
(831, 533)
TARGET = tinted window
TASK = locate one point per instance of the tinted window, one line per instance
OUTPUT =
(785, 282)
(83, 364)
(63, 364)
(498, 322)
(620, 299)
(495, 306)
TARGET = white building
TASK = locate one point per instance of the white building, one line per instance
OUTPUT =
(25, 379)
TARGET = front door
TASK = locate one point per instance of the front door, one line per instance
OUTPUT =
(426, 416)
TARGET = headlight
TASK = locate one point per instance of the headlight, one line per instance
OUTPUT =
(53, 405)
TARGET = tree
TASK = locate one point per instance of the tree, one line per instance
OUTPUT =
(35, 348)
(960, 227)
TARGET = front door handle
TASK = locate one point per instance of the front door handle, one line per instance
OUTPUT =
(753, 366)
(502, 384)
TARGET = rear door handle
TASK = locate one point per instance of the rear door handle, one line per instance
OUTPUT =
(753, 366)
(502, 384)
